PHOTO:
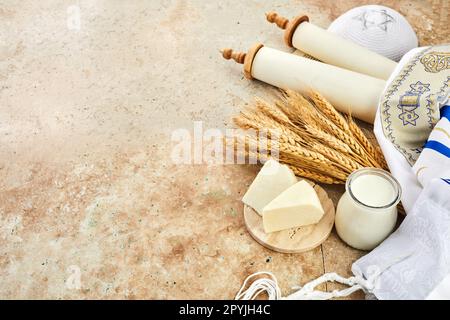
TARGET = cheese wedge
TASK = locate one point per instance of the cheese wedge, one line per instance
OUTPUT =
(272, 180)
(297, 206)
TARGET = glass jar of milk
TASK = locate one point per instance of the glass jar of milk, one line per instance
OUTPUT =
(367, 212)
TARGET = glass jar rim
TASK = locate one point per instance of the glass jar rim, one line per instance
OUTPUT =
(381, 173)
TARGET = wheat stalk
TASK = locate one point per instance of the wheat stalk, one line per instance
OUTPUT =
(370, 148)
(317, 177)
(328, 139)
(301, 172)
(313, 138)
(329, 111)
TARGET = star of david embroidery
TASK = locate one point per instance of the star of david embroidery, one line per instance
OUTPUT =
(410, 101)
(375, 19)
(409, 117)
(419, 87)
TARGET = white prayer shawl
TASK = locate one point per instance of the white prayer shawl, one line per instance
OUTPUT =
(414, 261)
(400, 168)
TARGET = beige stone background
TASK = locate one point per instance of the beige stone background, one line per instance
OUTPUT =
(87, 187)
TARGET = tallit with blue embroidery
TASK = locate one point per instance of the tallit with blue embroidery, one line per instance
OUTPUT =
(408, 111)
(412, 127)
(409, 107)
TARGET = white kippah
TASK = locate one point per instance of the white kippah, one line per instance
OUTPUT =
(378, 28)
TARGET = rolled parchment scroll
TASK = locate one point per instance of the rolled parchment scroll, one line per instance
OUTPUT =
(332, 49)
(348, 91)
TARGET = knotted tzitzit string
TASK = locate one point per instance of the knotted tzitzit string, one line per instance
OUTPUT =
(270, 286)
(307, 292)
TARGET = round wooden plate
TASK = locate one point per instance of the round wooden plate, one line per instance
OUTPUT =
(295, 240)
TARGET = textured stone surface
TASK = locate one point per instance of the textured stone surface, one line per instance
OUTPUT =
(87, 186)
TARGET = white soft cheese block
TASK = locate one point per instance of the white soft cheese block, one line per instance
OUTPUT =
(272, 180)
(297, 206)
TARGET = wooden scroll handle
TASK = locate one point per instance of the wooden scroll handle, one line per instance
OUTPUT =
(280, 21)
(243, 58)
(285, 24)
(229, 54)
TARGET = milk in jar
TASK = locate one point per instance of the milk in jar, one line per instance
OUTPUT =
(367, 212)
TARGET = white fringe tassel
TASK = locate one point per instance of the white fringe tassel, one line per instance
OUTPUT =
(269, 286)
(307, 292)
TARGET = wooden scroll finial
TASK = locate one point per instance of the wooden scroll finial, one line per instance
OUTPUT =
(229, 54)
(243, 58)
(285, 24)
(280, 21)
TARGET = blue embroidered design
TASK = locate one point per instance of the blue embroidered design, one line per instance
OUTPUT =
(446, 180)
(385, 108)
(411, 117)
(410, 101)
